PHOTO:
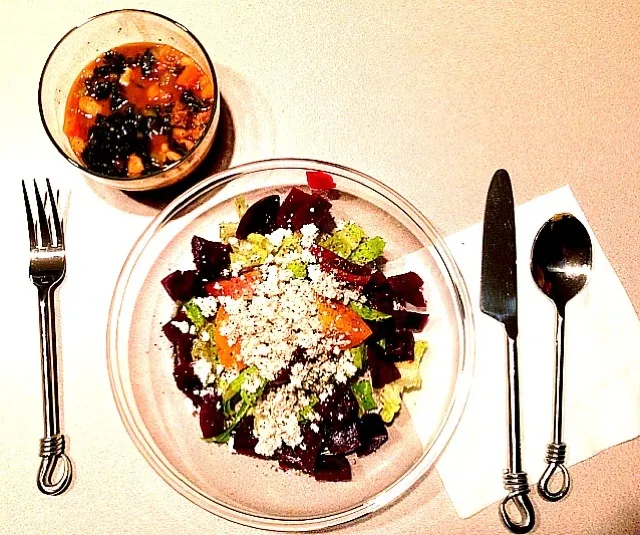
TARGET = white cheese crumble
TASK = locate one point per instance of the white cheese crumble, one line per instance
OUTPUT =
(309, 233)
(208, 305)
(183, 326)
(277, 236)
(276, 421)
(202, 368)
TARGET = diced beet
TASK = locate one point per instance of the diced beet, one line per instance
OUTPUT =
(300, 208)
(320, 180)
(210, 258)
(244, 440)
(372, 434)
(211, 416)
(408, 319)
(344, 440)
(399, 346)
(259, 218)
(342, 269)
(294, 201)
(333, 468)
(299, 458)
(172, 332)
(181, 285)
(340, 408)
(408, 287)
(379, 293)
(187, 381)
(382, 372)
(381, 329)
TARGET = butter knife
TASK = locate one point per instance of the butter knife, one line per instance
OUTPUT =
(499, 300)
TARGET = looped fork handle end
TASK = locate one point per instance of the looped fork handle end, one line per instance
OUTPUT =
(518, 485)
(52, 453)
(555, 459)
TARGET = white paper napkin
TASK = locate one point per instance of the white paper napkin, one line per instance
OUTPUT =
(602, 370)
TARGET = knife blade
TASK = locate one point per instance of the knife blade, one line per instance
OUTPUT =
(498, 282)
(499, 300)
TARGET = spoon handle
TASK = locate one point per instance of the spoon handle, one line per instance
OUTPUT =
(556, 451)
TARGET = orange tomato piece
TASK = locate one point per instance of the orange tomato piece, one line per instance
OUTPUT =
(337, 317)
(235, 287)
(229, 355)
(189, 77)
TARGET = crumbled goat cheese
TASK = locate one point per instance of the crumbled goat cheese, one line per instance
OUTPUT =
(208, 305)
(309, 233)
(277, 236)
(276, 422)
(192, 329)
(205, 336)
(252, 383)
(183, 326)
(202, 368)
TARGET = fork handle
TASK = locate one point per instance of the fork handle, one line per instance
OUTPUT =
(52, 446)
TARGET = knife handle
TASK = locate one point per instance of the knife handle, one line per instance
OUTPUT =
(555, 459)
(518, 486)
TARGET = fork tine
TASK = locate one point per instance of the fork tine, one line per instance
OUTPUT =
(45, 234)
(56, 218)
(32, 232)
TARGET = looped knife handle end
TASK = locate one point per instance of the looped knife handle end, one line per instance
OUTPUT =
(556, 453)
(518, 486)
(52, 453)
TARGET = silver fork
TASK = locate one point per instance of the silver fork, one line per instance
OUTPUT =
(47, 267)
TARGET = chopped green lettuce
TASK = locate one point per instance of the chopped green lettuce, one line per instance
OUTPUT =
(249, 402)
(251, 252)
(227, 230)
(205, 349)
(359, 355)
(389, 396)
(298, 268)
(235, 386)
(343, 242)
(290, 244)
(241, 205)
(367, 313)
(367, 251)
(390, 399)
(363, 391)
(194, 314)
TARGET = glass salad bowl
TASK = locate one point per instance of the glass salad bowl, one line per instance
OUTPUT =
(253, 491)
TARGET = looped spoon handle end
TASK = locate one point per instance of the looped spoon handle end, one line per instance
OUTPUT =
(519, 496)
(52, 453)
(555, 459)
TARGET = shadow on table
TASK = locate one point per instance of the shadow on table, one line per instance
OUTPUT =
(151, 202)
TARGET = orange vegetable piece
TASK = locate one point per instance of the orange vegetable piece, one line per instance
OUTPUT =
(229, 355)
(189, 77)
(337, 317)
(235, 287)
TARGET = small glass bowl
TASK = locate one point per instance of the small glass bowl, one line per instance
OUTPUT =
(248, 490)
(82, 45)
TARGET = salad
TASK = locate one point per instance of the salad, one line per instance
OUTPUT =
(289, 340)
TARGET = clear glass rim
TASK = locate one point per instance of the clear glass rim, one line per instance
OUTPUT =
(466, 339)
(212, 118)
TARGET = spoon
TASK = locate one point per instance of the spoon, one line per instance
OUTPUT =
(561, 262)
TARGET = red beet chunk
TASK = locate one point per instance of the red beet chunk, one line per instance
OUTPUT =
(210, 258)
(300, 208)
(339, 409)
(408, 287)
(410, 320)
(211, 416)
(320, 180)
(382, 372)
(342, 269)
(260, 217)
(187, 381)
(344, 440)
(333, 468)
(299, 458)
(399, 346)
(379, 293)
(381, 329)
(181, 285)
(244, 440)
(372, 434)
